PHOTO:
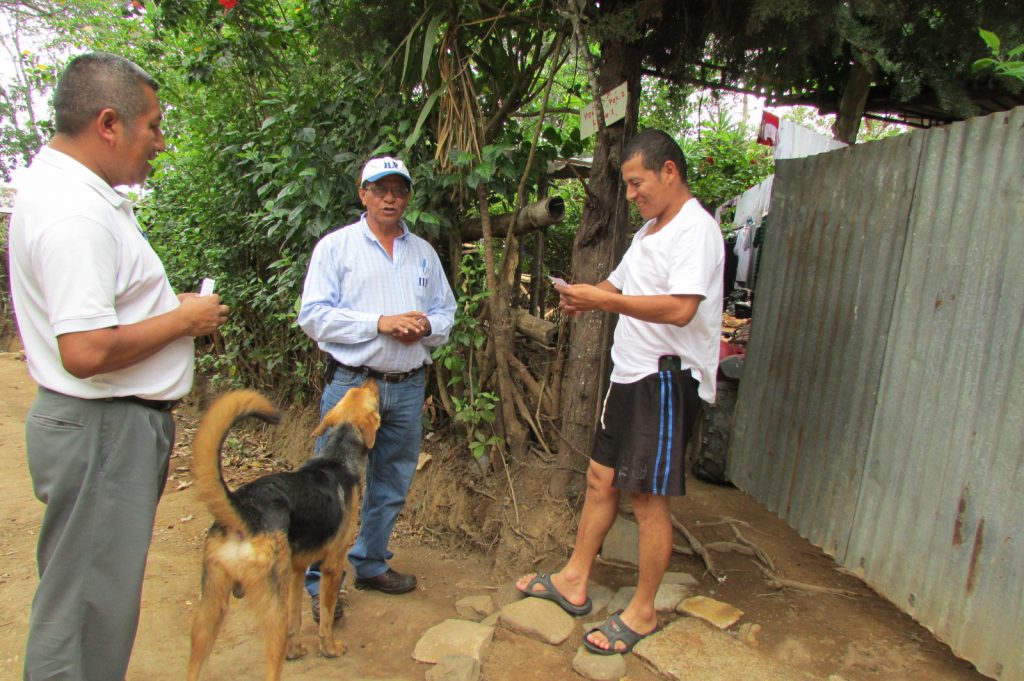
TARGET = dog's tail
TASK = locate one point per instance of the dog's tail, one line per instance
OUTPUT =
(206, 445)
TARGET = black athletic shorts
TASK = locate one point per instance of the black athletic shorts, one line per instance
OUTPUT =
(644, 430)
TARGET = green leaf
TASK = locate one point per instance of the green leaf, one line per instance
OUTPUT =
(424, 112)
(428, 44)
(991, 39)
(984, 63)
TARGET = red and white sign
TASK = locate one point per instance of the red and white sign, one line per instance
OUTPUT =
(768, 133)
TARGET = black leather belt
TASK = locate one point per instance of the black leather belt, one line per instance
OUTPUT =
(159, 405)
(386, 376)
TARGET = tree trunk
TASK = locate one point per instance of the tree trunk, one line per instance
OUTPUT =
(600, 243)
(502, 329)
(855, 96)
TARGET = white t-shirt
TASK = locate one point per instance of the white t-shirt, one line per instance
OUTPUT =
(685, 257)
(79, 262)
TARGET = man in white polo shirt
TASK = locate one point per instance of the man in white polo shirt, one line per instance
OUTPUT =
(110, 345)
(667, 292)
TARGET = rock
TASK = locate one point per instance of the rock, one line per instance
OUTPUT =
(750, 633)
(598, 667)
(590, 626)
(600, 596)
(679, 578)
(453, 637)
(507, 593)
(621, 542)
(621, 598)
(474, 607)
(538, 619)
(690, 650)
(720, 614)
(491, 620)
(454, 668)
(669, 596)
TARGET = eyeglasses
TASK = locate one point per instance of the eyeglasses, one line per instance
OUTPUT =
(399, 191)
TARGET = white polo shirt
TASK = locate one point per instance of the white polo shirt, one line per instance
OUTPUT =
(79, 262)
(685, 257)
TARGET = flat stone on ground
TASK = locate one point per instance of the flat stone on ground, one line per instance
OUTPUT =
(474, 607)
(453, 637)
(538, 619)
(622, 541)
(679, 578)
(720, 614)
(690, 650)
(600, 596)
(621, 598)
(669, 596)
(454, 668)
(598, 667)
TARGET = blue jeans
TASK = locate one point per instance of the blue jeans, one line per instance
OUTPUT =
(389, 467)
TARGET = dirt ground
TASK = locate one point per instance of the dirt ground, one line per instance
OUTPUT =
(858, 638)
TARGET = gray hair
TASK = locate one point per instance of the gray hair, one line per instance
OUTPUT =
(655, 147)
(97, 81)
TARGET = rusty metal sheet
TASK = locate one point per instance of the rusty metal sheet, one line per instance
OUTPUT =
(881, 410)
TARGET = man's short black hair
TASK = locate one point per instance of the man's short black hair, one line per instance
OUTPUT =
(97, 81)
(655, 147)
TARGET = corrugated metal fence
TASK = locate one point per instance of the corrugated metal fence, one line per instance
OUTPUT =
(881, 411)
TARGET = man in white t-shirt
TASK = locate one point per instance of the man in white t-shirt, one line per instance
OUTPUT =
(110, 345)
(667, 292)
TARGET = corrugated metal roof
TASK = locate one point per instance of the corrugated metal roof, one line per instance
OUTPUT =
(881, 410)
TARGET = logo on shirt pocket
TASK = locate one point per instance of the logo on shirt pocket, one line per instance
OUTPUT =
(421, 280)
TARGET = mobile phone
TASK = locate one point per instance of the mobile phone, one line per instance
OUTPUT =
(558, 281)
(206, 288)
(669, 363)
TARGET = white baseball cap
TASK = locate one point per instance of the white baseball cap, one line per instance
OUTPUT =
(376, 168)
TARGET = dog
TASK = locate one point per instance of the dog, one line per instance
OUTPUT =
(267, 532)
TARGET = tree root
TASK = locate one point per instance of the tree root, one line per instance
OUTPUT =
(745, 547)
(776, 581)
(699, 549)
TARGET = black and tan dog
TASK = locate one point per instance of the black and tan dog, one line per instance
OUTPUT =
(268, 531)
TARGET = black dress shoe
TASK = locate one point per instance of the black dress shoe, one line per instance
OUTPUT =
(390, 582)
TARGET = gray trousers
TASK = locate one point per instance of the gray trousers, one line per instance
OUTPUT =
(100, 467)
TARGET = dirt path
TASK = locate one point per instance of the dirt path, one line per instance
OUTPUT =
(859, 639)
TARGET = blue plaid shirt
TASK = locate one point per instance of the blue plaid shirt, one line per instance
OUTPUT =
(351, 283)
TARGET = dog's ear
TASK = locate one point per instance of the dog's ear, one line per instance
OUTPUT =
(372, 416)
(360, 407)
(368, 425)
